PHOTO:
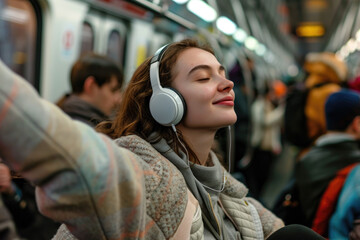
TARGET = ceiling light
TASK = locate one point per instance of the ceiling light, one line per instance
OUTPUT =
(251, 43)
(202, 10)
(310, 30)
(269, 57)
(225, 25)
(260, 50)
(240, 35)
(180, 1)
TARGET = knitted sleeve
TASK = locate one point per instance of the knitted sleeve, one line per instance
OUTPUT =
(83, 178)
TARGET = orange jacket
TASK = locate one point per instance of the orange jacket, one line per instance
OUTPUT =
(315, 106)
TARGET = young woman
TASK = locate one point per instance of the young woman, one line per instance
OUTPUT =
(159, 178)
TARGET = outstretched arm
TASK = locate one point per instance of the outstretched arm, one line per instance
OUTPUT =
(83, 179)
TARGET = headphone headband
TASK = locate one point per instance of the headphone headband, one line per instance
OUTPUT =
(154, 68)
(159, 54)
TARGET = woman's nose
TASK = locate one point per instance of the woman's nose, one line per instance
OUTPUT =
(226, 85)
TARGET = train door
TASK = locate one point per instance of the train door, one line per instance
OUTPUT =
(137, 49)
(19, 38)
(61, 36)
(104, 34)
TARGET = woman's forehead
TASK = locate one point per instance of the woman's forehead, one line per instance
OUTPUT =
(193, 57)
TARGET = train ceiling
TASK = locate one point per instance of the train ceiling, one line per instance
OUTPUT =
(288, 28)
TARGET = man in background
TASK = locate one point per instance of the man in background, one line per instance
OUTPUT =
(96, 83)
(332, 152)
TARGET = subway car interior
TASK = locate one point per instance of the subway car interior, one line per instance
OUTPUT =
(266, 41)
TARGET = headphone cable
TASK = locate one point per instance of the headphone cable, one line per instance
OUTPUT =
(188, 162)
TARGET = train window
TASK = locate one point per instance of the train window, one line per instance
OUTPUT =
(18, 36)
(115, 46)
(87, 38)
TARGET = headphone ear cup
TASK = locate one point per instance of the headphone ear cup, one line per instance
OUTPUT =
(167, 107)
(181, 98)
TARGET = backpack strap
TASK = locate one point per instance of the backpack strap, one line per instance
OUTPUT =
(328, 201)
(319, 85)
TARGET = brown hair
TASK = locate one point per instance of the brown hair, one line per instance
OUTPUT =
(134, 115)
(101, 67)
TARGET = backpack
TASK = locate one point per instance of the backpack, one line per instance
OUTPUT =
(287, 205)
(295, 124)
(329, 200)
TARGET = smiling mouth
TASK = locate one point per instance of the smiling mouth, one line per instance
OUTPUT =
(225, 102)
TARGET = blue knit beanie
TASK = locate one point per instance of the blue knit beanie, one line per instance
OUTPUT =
(341, 108)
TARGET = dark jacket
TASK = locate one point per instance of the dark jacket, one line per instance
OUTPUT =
(30, 224)
(83, 111)
(7, 226)
(318, 167)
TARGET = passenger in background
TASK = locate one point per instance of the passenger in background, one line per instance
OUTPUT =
(242, 126)
(345, 222)
(267, 113)
(159, 178)
(332, 156)
(96, 83)
(329, 73)
(7, 226)
(305, 121)
(18, 197)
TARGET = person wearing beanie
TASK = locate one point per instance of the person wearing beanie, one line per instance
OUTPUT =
(333, 152)
(341, 109)
(327, 69)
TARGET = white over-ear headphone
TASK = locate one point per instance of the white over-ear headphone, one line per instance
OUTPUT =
(167, 106)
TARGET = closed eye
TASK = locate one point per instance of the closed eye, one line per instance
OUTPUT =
(203, 79)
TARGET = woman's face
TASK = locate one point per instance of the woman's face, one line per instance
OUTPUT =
(209, 96)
